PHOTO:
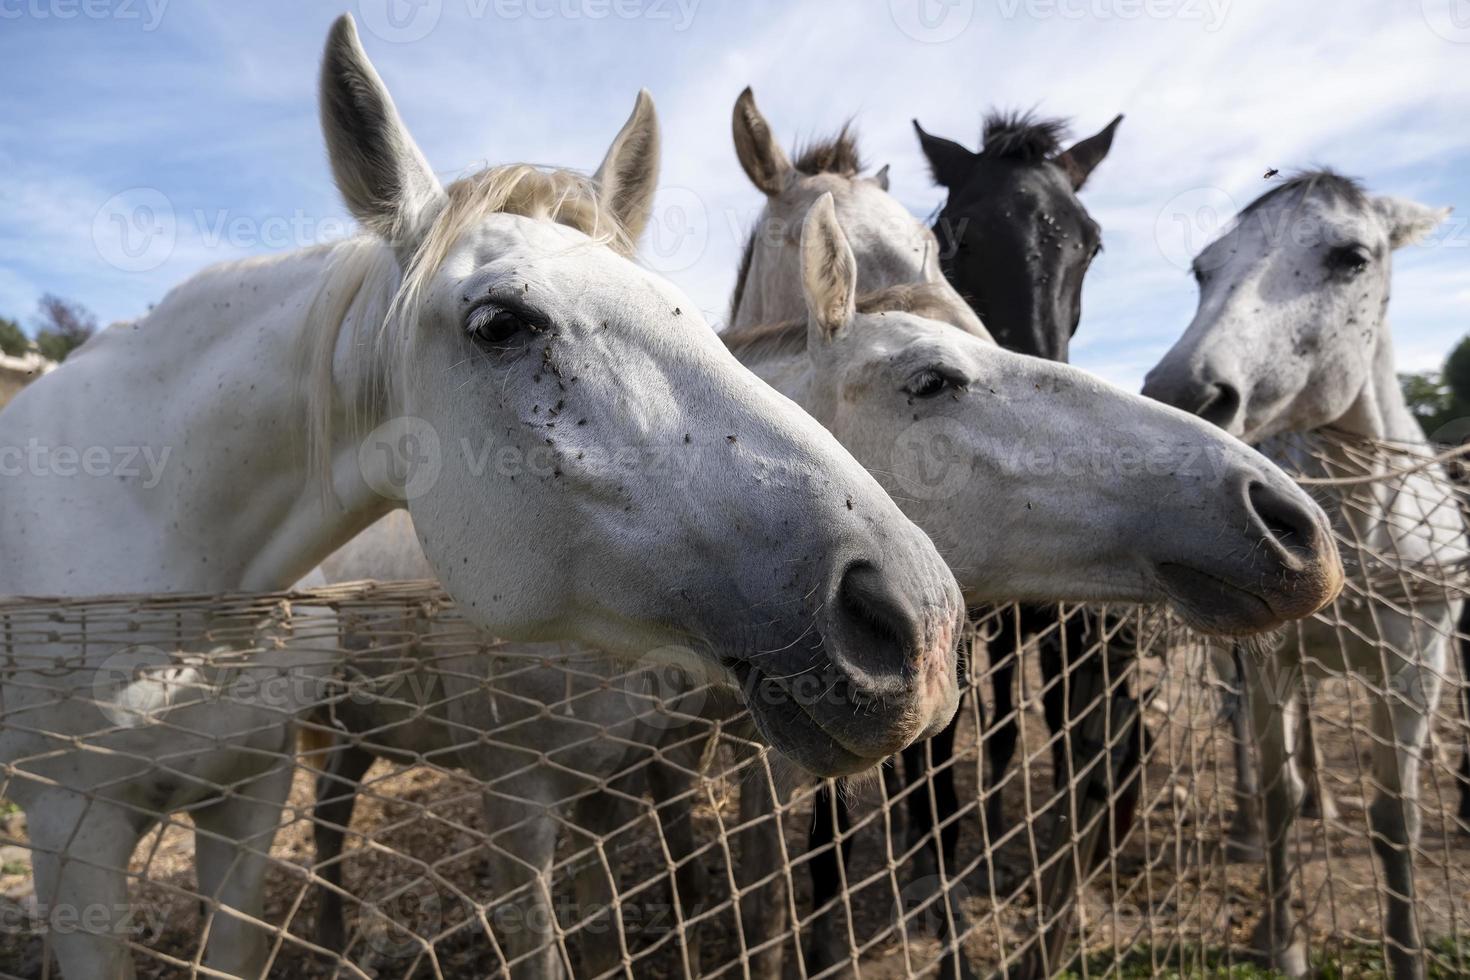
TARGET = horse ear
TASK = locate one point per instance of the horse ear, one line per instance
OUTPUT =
(380, 171)
(628, 176)
(1407, 221)
(1080, 160)
(764, 161)
(881, 177)
(828, 270)
(949, 162)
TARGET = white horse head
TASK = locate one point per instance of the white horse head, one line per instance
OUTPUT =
(1037, 480)
(684, 503)
(583, 458)
(1291, 333)
(891, 245)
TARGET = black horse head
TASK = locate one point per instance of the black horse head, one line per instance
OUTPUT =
(1013, 237)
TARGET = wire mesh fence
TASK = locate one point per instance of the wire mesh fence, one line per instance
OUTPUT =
(457, 806)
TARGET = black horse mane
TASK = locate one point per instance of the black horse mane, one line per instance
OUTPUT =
(1022, 136)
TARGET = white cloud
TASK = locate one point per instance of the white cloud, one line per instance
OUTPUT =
(217, 110)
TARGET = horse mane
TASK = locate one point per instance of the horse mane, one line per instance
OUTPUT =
(1022, 136)
(1318, 181)
(366, 285)
(833, 155)
(747, 255)
(931, 300)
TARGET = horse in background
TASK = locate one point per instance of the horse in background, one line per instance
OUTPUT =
(1290, 348)
(888, 246)
(1017, 242)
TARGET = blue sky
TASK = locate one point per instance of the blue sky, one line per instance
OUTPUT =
(141, 140)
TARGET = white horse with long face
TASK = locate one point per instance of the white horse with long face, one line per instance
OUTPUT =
(993, 453)
(500, 312)
(1290, 338)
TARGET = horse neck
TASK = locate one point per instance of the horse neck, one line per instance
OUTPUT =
(1380, 411)
(347, 395)
(788, 370)
(771, 290)
(211, 380)
(1394, 504)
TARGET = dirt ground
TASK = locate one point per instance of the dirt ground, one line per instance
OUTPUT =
(1166, 896)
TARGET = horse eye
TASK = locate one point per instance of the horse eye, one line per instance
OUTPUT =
(930, 383)
(496, 327)
(1348, 259)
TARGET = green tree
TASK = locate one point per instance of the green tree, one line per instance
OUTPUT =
(62, 327)
(13, 340)
(1456, 372)
(1440, 400)
(1428, 397)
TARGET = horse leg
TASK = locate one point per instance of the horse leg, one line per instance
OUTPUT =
(830, 816)
(903, 771)
(1125, 754)
(1243, 840)
(1462, 642)
(1318, 803)
(521, 835)
(599, 815)
(944, 844)
(336, 797)
(671, 788)
(232, 844)
(1059, 674)
(1000, 741)
(1401, 729)
(1271, 700)
(1066, 669)
(80, 849)
(762, 906)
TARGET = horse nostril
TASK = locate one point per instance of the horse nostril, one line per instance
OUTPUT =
(1285, 520)
(1221, 404)
(884, 635)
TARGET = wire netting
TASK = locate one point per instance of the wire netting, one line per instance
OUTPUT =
(459, 806)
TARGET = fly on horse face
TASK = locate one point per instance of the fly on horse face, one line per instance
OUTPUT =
(461, 311)
(1290, 348)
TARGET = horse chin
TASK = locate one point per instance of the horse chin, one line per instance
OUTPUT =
(1210, 604)
(791, 730)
